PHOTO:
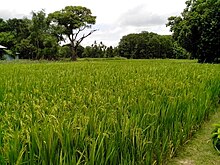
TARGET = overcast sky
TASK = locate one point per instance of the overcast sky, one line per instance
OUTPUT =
(115, 18)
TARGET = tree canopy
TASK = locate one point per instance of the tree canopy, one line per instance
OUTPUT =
(196, 34)
(147, 45)
(198, 29)
(70, 22)
(31, 38)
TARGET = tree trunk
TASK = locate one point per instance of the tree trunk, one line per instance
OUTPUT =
(74, 53)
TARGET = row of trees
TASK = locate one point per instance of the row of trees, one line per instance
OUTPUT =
(144, 45)
(39, 37)
(96, 50)
(99, 51)
(147, 45)
(31, 38)
(196, 34)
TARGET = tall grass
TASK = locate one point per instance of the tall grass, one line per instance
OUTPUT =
(104, 112)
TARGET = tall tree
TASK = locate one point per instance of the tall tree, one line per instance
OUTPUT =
(70, 22)
(20, 29)
(198, 29)
(46, 45)
(38, 29)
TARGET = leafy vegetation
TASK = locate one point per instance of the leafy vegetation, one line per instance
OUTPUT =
(147, 45)
(39, 37)
(199, 150)
(195, 35)
(216, 137)
(103, 112)
(99, 51)
(69, 23)
(198, 28)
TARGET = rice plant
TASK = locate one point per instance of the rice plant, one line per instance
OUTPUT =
(102, 112)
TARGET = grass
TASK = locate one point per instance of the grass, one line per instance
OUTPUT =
(199, 150)
(102, 112)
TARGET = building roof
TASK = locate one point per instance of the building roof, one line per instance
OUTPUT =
(2, 47)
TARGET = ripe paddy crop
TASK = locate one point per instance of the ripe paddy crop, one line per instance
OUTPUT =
(103, 112)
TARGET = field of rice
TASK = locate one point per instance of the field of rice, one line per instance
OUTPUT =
(102, 112)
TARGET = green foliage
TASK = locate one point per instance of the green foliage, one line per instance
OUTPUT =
(197, 29)
(26, 49)
(7, 39)
(46, 44)
(19, 27)
(70, 21)
(38, 38)
(110, 52)
(102, 112)
(145, 45)
(13, 31)
(179, 52)
(31, 38)
(99, 51)
(3, 25)
(95, 50)
(216, 137)
(80, 50)
(65, 51)
(9, 52)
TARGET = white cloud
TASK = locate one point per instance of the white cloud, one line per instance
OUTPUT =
(140, 16)
(7, 14)
(115, 18)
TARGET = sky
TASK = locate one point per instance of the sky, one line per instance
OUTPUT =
(115, 18)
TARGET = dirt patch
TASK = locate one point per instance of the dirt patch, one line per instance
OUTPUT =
(186, 162)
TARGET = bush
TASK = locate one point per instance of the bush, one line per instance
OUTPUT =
(179, 52)
(216, 137)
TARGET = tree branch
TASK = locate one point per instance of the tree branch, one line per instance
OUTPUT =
(84, 36)
(80, 29)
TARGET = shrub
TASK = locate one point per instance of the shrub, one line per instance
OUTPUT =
(216, 137)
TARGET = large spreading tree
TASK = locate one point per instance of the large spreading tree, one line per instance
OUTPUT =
(69, 23)
(198, 29)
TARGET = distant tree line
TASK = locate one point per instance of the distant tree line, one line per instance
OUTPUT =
(147, 45)
(36, 39)
(196, 35)
(99, 51)
(96, 50)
